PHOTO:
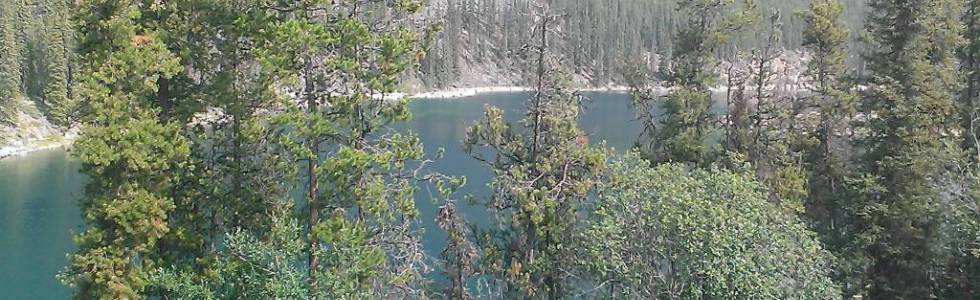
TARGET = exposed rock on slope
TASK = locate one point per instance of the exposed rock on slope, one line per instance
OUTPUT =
(30, 131)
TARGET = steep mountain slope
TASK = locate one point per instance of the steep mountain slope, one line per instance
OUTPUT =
(482, 42)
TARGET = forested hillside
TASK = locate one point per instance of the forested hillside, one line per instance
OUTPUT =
(37, 41)
(478, 44)
(481, 41)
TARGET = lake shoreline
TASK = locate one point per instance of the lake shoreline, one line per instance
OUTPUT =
(25, 148)
(21, 148)
(455, 93)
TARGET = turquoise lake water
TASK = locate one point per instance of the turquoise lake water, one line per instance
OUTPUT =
(37, 218)
(38, 192)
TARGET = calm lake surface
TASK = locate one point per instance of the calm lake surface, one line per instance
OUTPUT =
(37, 218)
(38, 192)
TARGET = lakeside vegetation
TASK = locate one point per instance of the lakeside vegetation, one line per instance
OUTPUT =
(247, 149)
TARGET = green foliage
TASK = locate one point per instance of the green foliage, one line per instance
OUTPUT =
(602, 39)
(958, 258)
(763, 123)
(36, 53)
(911, 113)
(668, 232)
(684, 129)
(543, 171)
(58, 37)
(361, 175)
(236, 176)
(826, 37)
(132, 157)
(247, 267)
(199, 116)
(10, 59)
(828, 207)
(961, 270)
(969, 56)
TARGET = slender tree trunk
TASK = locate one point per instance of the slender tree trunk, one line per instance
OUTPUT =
(537, 97)
(973, 71)
(313, 166)
(163, 99)
(531, 228)
(314, 215)
(68, 63)
(554, 287)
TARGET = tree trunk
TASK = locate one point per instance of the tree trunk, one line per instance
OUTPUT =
(313, 167)
(163, 99)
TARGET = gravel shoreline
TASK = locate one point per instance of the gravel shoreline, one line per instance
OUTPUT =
(20, 150)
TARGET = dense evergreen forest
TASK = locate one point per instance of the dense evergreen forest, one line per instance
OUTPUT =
(246, 149)
(36, 57)
(480, 41)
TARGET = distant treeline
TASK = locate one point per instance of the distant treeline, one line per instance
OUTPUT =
(599, 38)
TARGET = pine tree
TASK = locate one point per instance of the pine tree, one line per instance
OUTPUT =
(910, 111)
(359, 175)
(236, 174)
(604, 38)
(682, 131)
(460, 255)
(190, 148)
(825, 37)
(763, 122)
(543, 172)
(960, 277)
(958, 261)
(131, 155)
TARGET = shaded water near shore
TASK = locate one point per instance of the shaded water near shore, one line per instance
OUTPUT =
(39, 192)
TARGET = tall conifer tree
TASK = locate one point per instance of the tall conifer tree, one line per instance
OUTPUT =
(682, 132)
(911, 114)
(825, 37)
(130, 153)
(543, 171)
(236, 177)
(343, 60)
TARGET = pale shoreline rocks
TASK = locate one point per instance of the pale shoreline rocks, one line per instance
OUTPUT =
(29, 131)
